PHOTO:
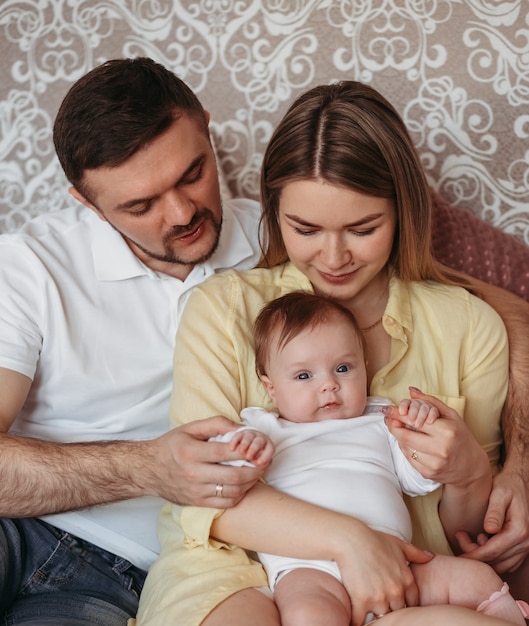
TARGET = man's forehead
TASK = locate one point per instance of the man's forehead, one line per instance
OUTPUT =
(156, 165)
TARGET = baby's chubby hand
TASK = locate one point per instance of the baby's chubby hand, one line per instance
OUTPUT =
(414, 412)
(253, 446)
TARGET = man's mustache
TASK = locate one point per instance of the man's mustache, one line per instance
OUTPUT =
(177, 231)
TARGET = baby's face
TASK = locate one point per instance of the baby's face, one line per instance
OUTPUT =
(318, 375)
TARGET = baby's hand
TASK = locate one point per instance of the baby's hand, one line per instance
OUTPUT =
(417, 413)
(253, 446)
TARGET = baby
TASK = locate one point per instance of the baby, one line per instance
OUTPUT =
(331, 447)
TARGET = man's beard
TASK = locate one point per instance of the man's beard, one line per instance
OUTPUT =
(169, 256)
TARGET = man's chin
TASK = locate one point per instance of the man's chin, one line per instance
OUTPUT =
(200, 254)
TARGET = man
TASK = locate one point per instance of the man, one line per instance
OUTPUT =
(91, 301)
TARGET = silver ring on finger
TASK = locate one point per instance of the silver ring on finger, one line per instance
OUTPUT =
(218, 491)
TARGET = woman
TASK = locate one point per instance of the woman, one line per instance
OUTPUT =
(346, 213)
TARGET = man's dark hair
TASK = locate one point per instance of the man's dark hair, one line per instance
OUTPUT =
(116, 109)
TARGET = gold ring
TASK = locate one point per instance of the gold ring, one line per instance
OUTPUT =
(218, 491)
(414, 455)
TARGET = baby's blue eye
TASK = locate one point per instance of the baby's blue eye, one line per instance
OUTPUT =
(303, 376)
(341, 369)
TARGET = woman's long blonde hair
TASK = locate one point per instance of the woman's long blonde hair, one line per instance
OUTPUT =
(347, 134)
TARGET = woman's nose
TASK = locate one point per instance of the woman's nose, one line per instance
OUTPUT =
(336, 254)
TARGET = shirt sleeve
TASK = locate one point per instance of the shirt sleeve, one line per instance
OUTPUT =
(21, 287)
(213, 370)
(485, 376)
(453, 346)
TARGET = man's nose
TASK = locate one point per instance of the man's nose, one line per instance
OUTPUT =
(178, 208)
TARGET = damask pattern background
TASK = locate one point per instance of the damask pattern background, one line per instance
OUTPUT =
(457, 71)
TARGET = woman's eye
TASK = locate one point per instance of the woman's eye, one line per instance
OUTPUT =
(301, 231)
(363, 233)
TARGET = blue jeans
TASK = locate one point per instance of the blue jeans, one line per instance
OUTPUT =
(50, 577)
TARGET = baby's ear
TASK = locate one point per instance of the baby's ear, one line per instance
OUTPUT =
(269, 388)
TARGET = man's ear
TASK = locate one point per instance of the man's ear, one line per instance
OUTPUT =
(80, 198)
(269, 388)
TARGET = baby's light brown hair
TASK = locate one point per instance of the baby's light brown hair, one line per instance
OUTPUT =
(291, 314)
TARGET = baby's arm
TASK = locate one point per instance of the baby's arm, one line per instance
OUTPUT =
(253, 446)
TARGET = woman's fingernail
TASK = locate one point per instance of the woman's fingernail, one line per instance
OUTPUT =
(415, 389)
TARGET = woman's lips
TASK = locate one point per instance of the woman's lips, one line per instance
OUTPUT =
(337, 279)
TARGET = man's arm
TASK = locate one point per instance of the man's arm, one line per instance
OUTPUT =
(42, 477)
(515, 415)
(507, 516)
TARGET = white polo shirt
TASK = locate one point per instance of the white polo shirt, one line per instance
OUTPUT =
(94, 328)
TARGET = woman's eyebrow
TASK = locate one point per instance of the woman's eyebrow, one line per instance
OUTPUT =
(364, 220)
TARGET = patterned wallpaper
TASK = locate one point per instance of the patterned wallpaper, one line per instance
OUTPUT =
(457, 70)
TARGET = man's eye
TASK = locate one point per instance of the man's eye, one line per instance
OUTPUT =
(194, 175)
(141, 210)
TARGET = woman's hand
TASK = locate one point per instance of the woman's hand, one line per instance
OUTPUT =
(377, 575)
(443, 450)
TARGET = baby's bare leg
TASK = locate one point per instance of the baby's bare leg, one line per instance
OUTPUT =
(441, 615)
(453, 580)
(467, 583)
(309, 597)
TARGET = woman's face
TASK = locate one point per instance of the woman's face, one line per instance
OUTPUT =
(339, 238)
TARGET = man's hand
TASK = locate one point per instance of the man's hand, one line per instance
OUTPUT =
(185, 468)
(507, 520)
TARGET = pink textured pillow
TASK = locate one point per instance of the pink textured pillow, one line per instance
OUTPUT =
(464, 242)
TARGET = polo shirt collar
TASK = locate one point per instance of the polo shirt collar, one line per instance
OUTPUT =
(234, 245)
(114, 260)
